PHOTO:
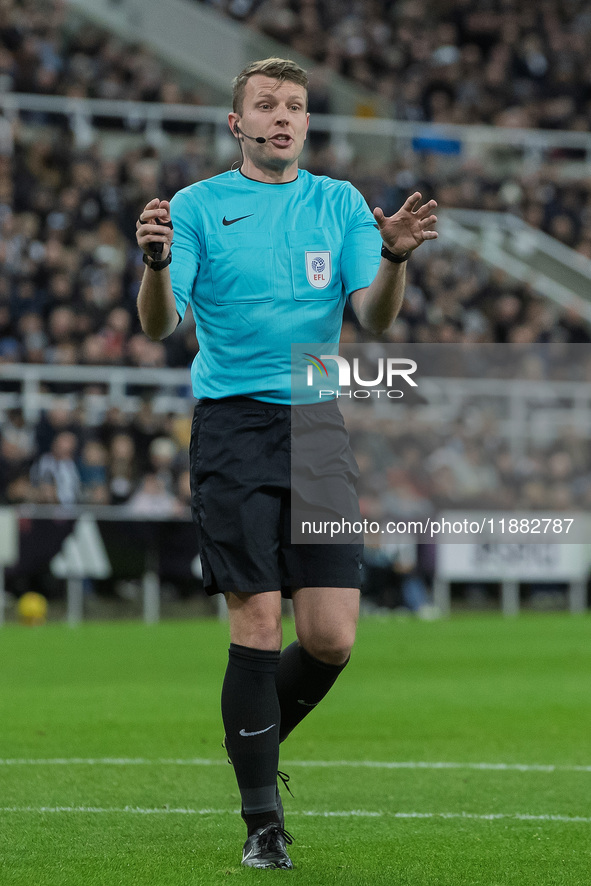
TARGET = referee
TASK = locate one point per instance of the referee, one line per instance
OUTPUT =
(243, 247)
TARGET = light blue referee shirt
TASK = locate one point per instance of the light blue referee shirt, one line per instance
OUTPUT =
(264, 266)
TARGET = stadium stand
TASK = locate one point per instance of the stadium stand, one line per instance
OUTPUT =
(501, 62)
(71, 268)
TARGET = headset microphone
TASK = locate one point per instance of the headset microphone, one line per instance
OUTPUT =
(253, 138)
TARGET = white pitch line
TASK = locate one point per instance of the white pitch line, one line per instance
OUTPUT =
(305, 764)
(352, 813)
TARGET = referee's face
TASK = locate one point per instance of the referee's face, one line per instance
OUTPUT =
(276, 111)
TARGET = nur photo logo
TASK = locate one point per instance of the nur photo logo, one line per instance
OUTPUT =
(351, 374)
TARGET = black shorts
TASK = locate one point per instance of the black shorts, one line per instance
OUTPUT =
(241, 499)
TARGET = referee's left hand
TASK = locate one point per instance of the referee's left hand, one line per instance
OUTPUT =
(409, 227)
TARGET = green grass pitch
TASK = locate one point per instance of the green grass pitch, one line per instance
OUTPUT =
(451, 753)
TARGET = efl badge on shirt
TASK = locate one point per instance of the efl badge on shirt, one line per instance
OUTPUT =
(318, 269)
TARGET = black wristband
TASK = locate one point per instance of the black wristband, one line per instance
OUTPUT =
(157, 265)
(391, 256)
(155, 249)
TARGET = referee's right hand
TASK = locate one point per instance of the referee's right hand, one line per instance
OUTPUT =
(154, 226)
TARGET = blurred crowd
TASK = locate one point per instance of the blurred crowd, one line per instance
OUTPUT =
(45, 50)
(71, 267)
(502, 62)
(140, 460)
(413, 469)
(444, 445)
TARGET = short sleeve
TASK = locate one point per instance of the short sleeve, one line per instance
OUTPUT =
(187, 248)
(362, 243)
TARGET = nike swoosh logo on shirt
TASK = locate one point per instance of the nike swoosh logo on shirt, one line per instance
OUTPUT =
(232, 221)
(260, 732)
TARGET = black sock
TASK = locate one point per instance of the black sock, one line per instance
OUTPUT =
(251, 715)
(302, 681)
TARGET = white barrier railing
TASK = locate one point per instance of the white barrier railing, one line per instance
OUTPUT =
(536, 144)
(567, 403)
(172, 388)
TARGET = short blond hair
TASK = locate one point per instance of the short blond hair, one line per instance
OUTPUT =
(280, 69)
